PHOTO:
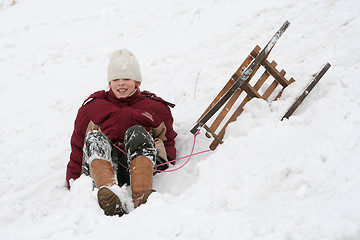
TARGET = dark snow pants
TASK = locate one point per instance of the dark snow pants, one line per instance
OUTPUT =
(137, 142)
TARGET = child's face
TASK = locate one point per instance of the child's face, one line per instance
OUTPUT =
(122, 88)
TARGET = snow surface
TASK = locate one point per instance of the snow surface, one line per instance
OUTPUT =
(271, 179)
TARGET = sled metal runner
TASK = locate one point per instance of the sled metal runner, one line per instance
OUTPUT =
(239, 86)
(307, 90)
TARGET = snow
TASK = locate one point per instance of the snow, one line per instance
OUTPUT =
(271, 179)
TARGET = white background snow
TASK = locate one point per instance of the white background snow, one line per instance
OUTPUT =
(271, 179)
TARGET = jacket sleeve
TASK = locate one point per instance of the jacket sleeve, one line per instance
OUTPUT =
(74, 167)
(164, 131)
(169, 143)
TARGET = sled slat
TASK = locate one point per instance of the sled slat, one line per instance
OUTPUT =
(275, 73)
(225, 110)
(270, 90)
(251, 92)
(213, 134)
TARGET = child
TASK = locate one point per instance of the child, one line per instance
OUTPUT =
(138, 122)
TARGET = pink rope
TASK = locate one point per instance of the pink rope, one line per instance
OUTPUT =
(172, 170)
(191, 154)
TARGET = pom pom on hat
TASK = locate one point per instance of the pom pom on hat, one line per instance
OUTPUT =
(123, 65)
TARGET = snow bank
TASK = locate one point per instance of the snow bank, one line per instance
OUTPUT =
(271, 179)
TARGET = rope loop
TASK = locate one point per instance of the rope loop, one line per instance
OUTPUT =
(173, 170)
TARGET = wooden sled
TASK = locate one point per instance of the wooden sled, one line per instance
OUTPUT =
(241, 89)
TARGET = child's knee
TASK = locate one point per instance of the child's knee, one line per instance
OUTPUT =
(139, 142)
(97, 146)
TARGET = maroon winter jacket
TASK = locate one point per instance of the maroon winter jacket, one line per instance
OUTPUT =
(114, 116)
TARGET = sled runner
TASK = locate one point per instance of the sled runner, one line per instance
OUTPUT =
(241, 85)
(307, 90)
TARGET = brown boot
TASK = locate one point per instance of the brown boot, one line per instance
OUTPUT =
(102, 172)
(141, 172)
(103, 175)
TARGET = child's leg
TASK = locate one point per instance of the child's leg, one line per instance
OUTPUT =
(141, 152)
(97, 152)
(138, 142)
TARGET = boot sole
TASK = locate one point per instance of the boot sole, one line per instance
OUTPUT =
(142, 199)
(110, 202)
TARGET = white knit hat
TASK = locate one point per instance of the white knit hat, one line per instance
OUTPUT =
(123, 65)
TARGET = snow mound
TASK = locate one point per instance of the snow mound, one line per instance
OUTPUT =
(293, 179)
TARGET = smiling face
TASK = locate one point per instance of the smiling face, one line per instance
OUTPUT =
(123, 88)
